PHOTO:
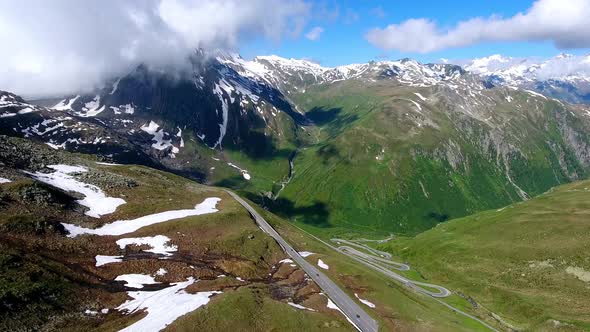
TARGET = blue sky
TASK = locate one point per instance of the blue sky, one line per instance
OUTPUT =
(345, 24)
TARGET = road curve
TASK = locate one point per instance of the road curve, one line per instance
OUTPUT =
(415, 285)
(353, 312)
(375, 261)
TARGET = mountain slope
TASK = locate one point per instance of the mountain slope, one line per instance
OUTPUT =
(525, 262)
(56, 274)
(63, 269)
(391, 157)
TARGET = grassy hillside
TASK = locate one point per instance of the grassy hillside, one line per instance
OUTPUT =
(50, 281)
(528, 262)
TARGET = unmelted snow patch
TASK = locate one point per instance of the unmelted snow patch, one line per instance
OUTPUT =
(306, 253)
(64, 106)
(224, 112)
(4, 180)
(91, 108)
(162, 271)
(164, 306)
(286, 260)
(103, 260)
(365, 302)
(420, 96)
(120, 227)
(323, 265)
(95, 199)
(333, 306)
(299, 306)
(159, 244)
(136, 280)
(579, 273)
(160, 142)
(244, 172)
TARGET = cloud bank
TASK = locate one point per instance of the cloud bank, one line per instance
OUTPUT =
(562, 22)
(62, 46)
(314, 34)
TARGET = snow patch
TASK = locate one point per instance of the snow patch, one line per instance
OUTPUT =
(160, 142)
(159, 244)
(536, 94)
(4, 180)
(97, 202)
(579, 273)
(121, 227)
(323, 265)
(365, 302)
(420, 96)
(224, 111)
(103, 260)
(244, 172)
(164, 306)
(299, 306)
(306, 253)
(136, 280)
(333, 306)
(65, 105)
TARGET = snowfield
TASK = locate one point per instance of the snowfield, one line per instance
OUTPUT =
(244, 172)
(365, 302)
(164, 306)
(97, 202)
(103, 260)
(121, 227)
(136, 280)
(323, 265)
(159, 244)
(306, 253)
(333, 306)
(299, 306)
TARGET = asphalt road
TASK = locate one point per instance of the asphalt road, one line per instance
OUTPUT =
(375, 261)
(381, 261)
(353, 312)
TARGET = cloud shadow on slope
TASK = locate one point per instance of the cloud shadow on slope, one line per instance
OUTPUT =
(316, 214)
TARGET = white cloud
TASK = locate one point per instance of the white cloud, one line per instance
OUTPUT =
(562, 22)
(558, 67)
(62, 46)
(314, 34)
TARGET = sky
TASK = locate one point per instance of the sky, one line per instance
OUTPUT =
(60, 46)
(345, 25)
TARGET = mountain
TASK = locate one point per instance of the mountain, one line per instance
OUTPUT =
(376, 147)
(522, 262)
(360, 150)
(565, 76)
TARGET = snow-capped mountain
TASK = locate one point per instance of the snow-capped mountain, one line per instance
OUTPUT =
(296, 74)
(564, 76)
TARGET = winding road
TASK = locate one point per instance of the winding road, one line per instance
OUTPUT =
(376, 260)
(381, 262)
(353, 312)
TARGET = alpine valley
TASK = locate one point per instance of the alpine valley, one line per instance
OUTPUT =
(333, 158)
(377, 147)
